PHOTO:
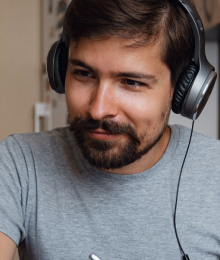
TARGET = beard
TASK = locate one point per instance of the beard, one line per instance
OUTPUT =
(114, 154)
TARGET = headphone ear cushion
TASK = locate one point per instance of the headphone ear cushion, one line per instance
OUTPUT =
(63, 63)
(57, 62)
(184, 82)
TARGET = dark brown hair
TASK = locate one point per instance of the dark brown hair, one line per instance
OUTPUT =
(145, 21)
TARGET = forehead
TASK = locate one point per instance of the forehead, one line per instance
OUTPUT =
(115, 44)
(118, 54)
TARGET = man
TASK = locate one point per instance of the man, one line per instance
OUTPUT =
(107, 184)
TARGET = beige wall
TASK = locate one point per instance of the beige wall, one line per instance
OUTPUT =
(20, 64)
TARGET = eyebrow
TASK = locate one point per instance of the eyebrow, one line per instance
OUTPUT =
(81, 64)
(114, 74)
(133, 75)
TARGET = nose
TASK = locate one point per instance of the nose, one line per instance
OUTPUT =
(103, 101)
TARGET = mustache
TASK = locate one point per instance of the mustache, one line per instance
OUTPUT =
(80, 124)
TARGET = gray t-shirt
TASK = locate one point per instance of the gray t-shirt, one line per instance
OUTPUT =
(56, 206)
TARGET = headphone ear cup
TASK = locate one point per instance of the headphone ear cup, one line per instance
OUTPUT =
(62, 64)
(60, 67)
(57, 61)
(184, 82)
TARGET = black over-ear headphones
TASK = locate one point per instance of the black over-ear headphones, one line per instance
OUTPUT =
(193, 87)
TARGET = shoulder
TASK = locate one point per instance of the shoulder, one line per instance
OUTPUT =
(203, 151)
(42, 139)
(199, 140)
(25, 145)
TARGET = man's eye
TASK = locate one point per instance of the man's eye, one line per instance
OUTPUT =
(133, 83)
(82, 73)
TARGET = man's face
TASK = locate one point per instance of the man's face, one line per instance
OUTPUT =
(118, 100)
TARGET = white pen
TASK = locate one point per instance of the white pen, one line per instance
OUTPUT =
(94, 257)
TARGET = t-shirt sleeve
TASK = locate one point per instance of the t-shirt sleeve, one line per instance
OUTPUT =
(13, 189)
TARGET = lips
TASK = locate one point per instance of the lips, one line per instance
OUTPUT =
(100, 131)
(102, 135)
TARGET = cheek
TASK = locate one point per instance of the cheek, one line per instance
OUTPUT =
(147, 111)
(77, 97)
(143, 108)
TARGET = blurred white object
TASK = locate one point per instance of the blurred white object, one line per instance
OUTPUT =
(94, 257)
(42, 110)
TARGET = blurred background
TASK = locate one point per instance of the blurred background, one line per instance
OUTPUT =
(28, 28)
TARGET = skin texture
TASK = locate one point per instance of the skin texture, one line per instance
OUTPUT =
(7, 247)
(100, 85)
